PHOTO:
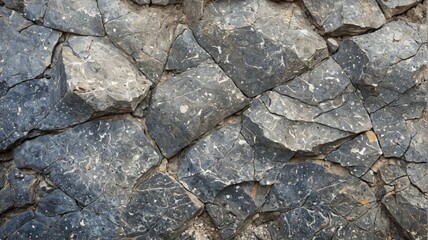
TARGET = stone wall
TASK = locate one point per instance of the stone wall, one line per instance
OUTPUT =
(224, 119)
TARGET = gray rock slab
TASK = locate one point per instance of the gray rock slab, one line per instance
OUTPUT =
(408, 207)
(418, 175)
(159, 208)
(56, 203)
(394, 7)
(78, 17)
(254, 42)
(34, 10)
(218, 160)
(92, 159)
(189, 104)
(144, 33)
(316, 203)
(234, 205)
(26, 49)
(13, 224)
(32, 229)
(358, 155)
(385, 63)
(346, 17)
(102, 76)
(20, 184)
(185, 53)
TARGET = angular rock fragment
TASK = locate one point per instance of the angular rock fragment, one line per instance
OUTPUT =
(418, 175)
(56, 203)
(385, 63)
(83, 224)
(30, 230)
(418, 129)
(87, 161)
(315, 109)
(234, 205)
(144, 33)
(408, 207)
(78, 17)
(221, 159)
(185, 53)
(254, 42)
(26, 49)
(35, 10)
(189, 104)
(102, 76)
(159, 208)
(394, 7)
(157, 2)
(317, 204)
(346, 17)
(20, 184)
(13, 224)
(358, 155)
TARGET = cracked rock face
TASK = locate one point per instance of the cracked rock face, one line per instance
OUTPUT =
(189, 104)
(346, 17)
(209, 120)
(253, 41)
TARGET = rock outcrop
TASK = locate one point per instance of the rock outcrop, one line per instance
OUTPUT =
(223, 119)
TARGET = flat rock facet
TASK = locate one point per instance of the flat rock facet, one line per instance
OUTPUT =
(346, 17)
(189, 104)
(394, 7)
(254, 42)
(158, 208)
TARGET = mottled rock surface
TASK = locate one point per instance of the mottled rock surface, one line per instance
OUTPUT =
(189, 104)
(209, 120)
(346, 17)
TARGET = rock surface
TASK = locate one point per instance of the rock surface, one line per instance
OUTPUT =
(208, 120)
(189, 104)
(346, 17)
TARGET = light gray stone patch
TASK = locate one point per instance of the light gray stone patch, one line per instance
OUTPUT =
(102, 75)
(346, 17)
(189, 104)
(358, 155)
(145, 33)
(394, 7)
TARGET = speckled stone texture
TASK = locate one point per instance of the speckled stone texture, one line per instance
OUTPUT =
(222, 119)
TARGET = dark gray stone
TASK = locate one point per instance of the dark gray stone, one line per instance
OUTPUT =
(408, 207)
(88, 161)
(13, 224)
(390, 126)
(218, 160)
(418, 175)
(391, 172)
(394, 7)
(30, 230)
(185, 53)
(35, 10)
(347, 17)
(20, 184)
(234, 205)
(159, 208)
(56, 203)
(26, 49)
(157, 2)
(189, 104)
(84, 224)
(254, 42)
(358, 155)
(144, 33)
(78, 17)
(316, 203)
(385, 63)
(17, 5)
